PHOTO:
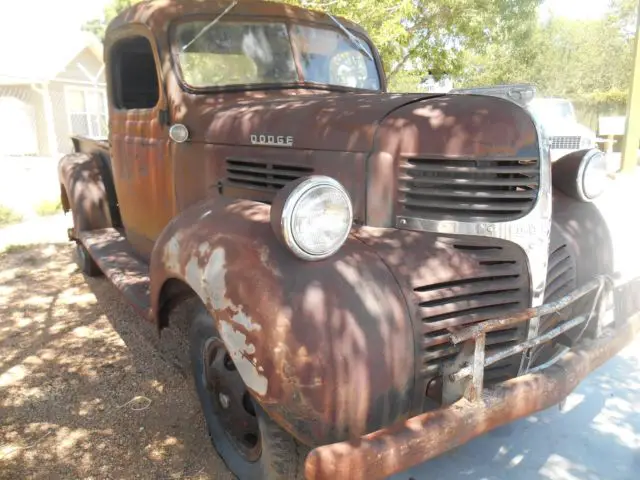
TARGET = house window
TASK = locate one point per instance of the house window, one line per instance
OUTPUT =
(87, 110)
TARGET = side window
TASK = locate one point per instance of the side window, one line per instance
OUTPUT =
(133, 73)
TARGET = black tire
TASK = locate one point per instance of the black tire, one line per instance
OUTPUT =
(87, 265)
(278, 458)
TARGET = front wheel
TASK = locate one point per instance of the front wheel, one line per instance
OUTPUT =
(251, 444)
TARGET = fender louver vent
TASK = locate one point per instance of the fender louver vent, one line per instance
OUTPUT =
(561, 280)
(256, 180)
(467, 190)
(560, 274)
(500, 287)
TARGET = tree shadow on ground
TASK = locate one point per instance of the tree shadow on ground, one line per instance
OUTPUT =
(596, 436)
(84, 390)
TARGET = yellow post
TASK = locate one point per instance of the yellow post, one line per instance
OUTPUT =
(632, 134)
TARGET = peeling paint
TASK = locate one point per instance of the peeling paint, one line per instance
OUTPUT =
(171, 255)
(195, 278)
(239, 350)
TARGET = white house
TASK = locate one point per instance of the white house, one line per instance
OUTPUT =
(50, 89)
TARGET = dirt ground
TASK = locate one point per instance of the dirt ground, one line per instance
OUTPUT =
(86, 388)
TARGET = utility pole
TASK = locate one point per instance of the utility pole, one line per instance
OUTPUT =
(632, 134)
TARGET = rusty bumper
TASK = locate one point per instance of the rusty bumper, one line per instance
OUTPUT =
(426, 436)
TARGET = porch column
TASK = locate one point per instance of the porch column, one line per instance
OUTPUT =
(632, 134)
(52, 140)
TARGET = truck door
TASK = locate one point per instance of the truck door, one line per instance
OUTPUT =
(142, 164)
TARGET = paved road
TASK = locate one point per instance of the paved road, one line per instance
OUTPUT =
(596, 437)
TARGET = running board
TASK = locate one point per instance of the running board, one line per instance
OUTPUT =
(116, 258)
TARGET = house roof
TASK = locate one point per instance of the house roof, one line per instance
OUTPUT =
(33, 59)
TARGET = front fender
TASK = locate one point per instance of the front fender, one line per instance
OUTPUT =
(326, 348)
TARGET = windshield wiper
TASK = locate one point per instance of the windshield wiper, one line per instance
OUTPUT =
(206, 28)
(355, 40)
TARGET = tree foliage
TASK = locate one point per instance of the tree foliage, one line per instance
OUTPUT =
(415, 36)
(98, 26)
(589, 61)
(488, 42)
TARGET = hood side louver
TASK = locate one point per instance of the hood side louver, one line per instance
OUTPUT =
(258, 180)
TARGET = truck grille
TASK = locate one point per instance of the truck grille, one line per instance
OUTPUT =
(451, 188)
(565, 143)
(258, 180)
(499, 286)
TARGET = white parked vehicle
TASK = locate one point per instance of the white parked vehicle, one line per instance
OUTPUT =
(556, 117)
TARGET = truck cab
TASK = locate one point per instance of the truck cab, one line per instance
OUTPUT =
(374, 277)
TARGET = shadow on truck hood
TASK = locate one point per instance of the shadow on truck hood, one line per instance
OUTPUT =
(345, 122)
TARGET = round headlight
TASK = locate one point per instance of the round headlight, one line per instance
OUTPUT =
(582, 175)
(313, 217)
(593, 175)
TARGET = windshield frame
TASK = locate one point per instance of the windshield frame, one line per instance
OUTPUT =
(288, 23)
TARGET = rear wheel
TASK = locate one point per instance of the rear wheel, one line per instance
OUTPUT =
(251, 444)
(87, 264)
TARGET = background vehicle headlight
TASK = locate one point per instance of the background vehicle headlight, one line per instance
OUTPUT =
(581, 175)
(312, 217)
(593, 175)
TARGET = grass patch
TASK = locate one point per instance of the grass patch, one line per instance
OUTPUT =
(17, 248)
(8, 216)
(48, 207)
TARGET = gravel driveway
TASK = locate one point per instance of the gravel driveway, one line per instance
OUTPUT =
(85, 392)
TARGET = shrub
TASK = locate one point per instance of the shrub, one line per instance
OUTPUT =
(48, 207)
(8, 216)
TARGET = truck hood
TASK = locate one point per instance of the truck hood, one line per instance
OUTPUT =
(345, 122)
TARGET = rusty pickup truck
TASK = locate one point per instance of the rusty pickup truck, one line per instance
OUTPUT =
(377, 278)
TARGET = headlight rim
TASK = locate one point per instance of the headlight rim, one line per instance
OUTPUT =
(582, 170)
(285, 206)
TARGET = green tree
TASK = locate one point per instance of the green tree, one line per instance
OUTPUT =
(98, 26)
(586, 60)
(418, 36)
(415, 36)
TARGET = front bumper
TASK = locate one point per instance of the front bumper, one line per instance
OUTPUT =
(394, 449)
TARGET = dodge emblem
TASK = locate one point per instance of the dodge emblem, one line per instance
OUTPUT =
(272, 140)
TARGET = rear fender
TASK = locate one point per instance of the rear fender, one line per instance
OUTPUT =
(326, 348)
(83, 191)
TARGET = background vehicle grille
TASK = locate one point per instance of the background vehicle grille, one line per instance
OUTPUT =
(499, 286)
(492, 189)
(565, 143)
(258, 180)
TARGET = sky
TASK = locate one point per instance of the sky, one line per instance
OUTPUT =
(41, 15)
(580, 9)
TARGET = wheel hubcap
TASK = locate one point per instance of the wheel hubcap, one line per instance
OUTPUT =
(230, 400)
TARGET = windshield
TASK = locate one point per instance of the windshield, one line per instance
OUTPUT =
(552, 111)
(246, 53)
